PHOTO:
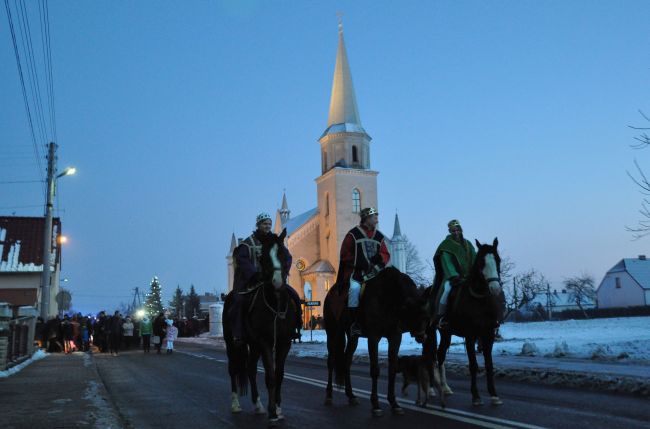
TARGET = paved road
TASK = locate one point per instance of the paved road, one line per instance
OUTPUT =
(191, 388)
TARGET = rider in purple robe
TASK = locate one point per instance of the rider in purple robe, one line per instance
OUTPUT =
(248, 273)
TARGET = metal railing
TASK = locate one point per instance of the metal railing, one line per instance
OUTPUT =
(18, 338)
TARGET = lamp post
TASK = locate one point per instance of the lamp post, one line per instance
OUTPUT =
(47, 237)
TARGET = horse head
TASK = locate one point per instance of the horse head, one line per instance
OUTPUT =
(488, 266)
(274, 259)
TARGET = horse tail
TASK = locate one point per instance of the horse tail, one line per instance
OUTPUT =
(240, 358)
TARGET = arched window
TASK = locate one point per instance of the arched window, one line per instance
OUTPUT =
(324, 161)
(327, 204)
(356, 201)
(355, 155)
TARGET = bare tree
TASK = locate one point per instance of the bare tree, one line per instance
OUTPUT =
(581, 290)
(643, 227)
(415, 269)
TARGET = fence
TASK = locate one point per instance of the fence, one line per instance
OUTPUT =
(17, 337)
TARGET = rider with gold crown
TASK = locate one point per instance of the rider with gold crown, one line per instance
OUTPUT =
(248, 273)
(363, 255)
(453, 261)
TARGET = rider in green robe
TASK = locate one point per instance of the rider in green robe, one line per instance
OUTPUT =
(453, 261)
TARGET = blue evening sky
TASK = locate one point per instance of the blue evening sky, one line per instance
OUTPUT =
(186, 119)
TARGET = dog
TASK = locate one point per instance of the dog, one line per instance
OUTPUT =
(415, 370)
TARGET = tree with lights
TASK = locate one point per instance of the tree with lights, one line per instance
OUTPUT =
(153, 304)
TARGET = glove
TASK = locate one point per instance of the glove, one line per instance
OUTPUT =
(455, 281)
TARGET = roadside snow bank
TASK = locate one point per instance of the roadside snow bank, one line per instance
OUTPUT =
(40, 354)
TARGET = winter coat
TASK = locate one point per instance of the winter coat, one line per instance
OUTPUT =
(172, 333)
(146, 327)
(127, 327)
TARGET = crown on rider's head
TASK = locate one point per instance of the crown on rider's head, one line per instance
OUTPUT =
(262, 217)
(454, 224)
(368, 211)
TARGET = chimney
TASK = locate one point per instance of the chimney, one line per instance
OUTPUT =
(642, 257)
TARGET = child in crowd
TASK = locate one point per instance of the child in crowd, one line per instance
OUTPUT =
(172, 333)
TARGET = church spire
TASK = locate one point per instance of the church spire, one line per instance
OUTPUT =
(233, 243)
(397, 231)
(284, 212)
(343, 102)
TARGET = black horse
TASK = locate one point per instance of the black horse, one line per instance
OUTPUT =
(270, 320)
(474, 314)
(391, 305)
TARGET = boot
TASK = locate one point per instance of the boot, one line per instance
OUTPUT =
(443, 323)
(355, 329)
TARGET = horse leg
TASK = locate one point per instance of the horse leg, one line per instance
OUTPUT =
(445, 342)
(331, 350)
(269, 378)
(349, 353)
(473, 368)
(252, 380)
(393, 349)
(373, 354)
(280, 359)
(488, 343)
(234, 395)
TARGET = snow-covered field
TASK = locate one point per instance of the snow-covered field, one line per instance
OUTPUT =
(617, 338)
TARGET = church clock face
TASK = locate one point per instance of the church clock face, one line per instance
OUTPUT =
(301, 264)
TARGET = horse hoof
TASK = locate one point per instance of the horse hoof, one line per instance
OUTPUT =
(235, 410)
(353, 401)
(328, 401)
(377, 412)
(447, 390)
(477, 402)
(432, 391)
(398, 411)
(273, 422)
(278, 411)
(260, 411)
(496, 400)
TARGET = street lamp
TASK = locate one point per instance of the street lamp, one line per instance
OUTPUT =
(47, 237)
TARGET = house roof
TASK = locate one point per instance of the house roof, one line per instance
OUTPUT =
(321, 266)
(639, 269)
(297, 221)
(21, 243)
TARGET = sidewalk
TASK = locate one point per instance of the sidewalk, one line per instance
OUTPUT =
(59, 391)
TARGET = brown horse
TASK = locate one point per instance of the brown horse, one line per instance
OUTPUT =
(474, 314)
(270, 321)
(391, 305)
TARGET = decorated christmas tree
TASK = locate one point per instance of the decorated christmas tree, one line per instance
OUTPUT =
(153, 303)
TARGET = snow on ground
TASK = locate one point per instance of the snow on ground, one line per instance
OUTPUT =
(625, 338)
(616, 338)
(40, 354)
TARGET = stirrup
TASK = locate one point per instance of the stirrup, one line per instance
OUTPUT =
(355, 330)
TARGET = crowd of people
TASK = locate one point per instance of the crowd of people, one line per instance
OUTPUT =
(107, 333)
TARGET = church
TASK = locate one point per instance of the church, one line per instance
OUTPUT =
(346, 185)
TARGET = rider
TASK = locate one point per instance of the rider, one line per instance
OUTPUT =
(452, 261)
(248, 273)
(363, 255)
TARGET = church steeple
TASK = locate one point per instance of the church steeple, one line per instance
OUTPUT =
(343, 102)
(344, 143)
(284, 210)
(397, 231)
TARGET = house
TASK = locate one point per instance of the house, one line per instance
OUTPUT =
(21, 261)
(205, 301)
(538, 307)
(627, 284)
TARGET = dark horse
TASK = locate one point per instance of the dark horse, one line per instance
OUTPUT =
(474, 314)
(391, 305)
(270, 319)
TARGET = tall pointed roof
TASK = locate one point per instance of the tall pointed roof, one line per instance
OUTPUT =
(233, 243)
(285, 206)
(343, 113)
(397, 231)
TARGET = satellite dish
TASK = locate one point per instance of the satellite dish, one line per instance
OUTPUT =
(63, 299)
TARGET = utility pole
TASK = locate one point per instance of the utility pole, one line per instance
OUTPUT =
(47, 237)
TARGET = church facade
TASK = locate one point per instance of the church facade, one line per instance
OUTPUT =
(346, 185)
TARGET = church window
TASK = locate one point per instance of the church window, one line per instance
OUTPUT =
(356, 201)
(355, 155)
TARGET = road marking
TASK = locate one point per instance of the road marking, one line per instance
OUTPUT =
(448, 413)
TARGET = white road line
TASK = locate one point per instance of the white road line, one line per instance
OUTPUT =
(448, 413)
